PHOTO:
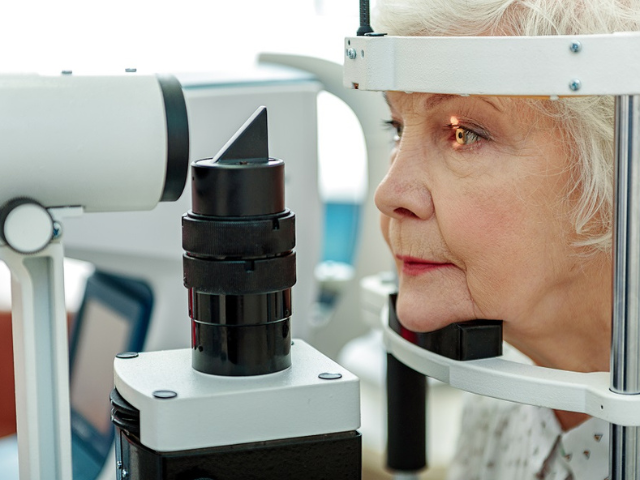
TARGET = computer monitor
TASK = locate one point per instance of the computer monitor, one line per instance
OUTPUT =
(113, 318)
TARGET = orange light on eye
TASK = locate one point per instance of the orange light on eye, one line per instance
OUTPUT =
(459, 132)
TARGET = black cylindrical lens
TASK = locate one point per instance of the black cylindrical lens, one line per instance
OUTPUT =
(239, 263)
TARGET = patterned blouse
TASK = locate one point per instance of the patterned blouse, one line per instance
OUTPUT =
(501, 440)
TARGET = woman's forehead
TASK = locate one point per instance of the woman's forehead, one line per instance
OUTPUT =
(427, 102)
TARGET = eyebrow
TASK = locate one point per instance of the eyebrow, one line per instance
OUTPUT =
(437, 99)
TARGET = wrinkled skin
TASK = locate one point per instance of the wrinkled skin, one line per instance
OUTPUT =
(476, 209)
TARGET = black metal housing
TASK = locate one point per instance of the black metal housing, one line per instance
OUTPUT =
(226, 187)
(239, 264)
(239, 236)
(241, 350)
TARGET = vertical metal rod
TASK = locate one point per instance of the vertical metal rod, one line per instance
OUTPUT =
(365, 26)
(625, 342)
(406, 420)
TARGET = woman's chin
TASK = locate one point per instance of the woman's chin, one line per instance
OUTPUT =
(421, 316)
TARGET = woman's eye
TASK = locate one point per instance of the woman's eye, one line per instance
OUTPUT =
(466, 137)
(395, 126)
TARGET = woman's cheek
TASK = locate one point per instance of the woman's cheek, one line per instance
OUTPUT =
(384, 228)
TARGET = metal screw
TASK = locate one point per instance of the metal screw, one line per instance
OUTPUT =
(165, 394)
(330, 376)
(352, 54)
(575, 85)
(57, 230)
(124, 475)
(127, 355)
(119, 465)
(66, 72)
(575, 46)
(130, 70)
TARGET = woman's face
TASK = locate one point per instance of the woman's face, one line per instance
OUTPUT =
(475, 209)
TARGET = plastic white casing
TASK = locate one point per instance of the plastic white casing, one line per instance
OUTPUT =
(54, 148)
(514, 66)
(211, 411)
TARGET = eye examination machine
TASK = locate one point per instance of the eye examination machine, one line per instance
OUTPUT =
(194, 196)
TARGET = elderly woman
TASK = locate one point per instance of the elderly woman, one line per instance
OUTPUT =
(497, 207)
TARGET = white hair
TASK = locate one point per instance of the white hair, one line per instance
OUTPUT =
(587, 122)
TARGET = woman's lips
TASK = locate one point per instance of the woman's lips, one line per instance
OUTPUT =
(418, 266)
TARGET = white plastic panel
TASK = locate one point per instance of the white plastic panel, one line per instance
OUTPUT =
(99, 142)
(212, 411)
(607, 64)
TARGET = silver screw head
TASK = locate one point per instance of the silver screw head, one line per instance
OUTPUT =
(165, 394)
(127, 355)
(352, 54)
(575, 85)
(329, 376)
(575, 46)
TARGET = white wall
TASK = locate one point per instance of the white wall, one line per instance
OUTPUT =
(167, 35)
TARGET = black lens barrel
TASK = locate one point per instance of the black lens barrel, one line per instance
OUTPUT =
(239, 264)
(243, 187)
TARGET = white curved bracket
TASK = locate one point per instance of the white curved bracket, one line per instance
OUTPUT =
(516, 382)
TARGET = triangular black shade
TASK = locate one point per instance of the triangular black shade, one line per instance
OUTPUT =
(250, 143)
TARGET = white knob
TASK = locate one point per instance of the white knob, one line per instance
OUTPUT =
(25, 225)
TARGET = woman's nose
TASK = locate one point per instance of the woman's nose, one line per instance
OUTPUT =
(404, 192)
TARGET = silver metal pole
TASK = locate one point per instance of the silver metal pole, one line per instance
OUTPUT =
(625, 342)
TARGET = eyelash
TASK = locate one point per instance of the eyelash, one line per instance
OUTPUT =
(461, 133)
(394, 126)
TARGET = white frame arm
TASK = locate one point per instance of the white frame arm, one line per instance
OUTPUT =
(550, 66)
(41, 359)
(517, 382)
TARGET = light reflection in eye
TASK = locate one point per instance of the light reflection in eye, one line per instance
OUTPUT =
(463, 135)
